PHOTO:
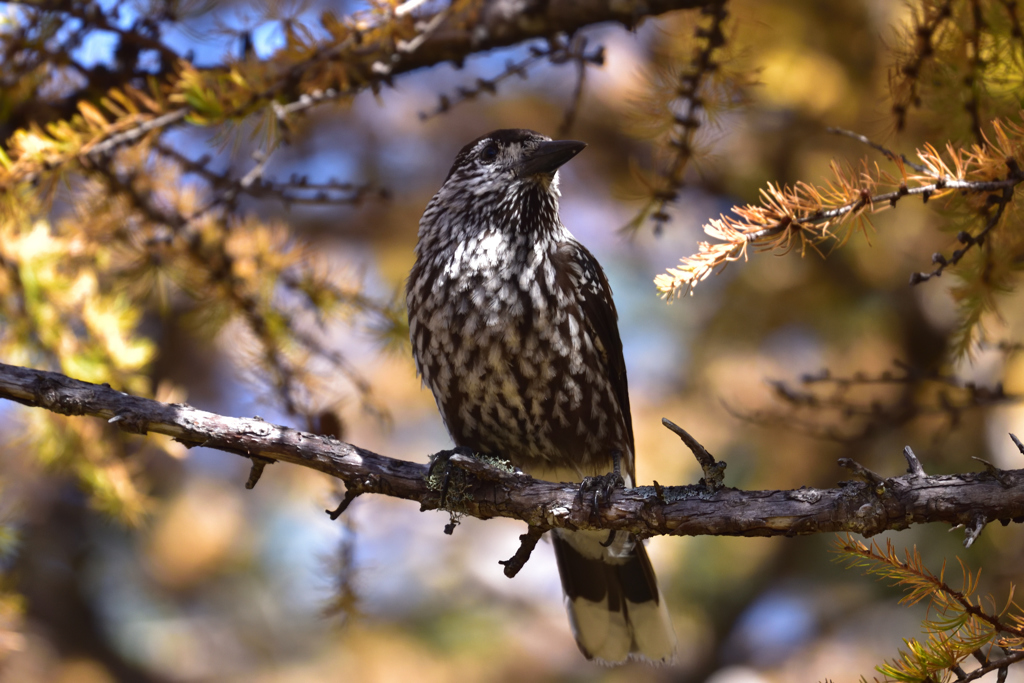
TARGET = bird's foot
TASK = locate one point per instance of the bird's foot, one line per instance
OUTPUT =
(447, 473)
(445, 476)
(599, 489)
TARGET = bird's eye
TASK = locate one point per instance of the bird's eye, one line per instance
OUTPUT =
(490, 153)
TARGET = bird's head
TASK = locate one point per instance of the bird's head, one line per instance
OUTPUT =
(508, 161)
(505, 180)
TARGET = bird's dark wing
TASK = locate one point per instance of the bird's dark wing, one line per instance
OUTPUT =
(600, 320)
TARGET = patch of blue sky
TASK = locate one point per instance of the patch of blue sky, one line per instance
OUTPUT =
(205, 48)
(267, 38)
(97, 47)
(297, 540)
(773, 627)
(214, 38)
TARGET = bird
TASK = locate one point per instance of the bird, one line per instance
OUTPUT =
(515, 332)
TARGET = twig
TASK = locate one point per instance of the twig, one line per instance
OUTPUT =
(890, 155)
(714, 472)
(913, 464)
(781, 220)
(557, 51)
(690, 103)
(972, 531)
(996, 473)
(527, 542)
(862, 472)
(134, 133)
(581, 60)
(910, 71)
(1000, 665)
(256, 471)
(967, 239)
(293, 191)
(351, 493)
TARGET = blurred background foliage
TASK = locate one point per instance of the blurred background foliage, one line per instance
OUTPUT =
(248, 257)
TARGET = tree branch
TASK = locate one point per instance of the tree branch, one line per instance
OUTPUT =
(865, 508)
(506, 23)
(500, 24)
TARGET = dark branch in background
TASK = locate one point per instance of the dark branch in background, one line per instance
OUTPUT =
(973, 82)
(488, 490)
(298, 189)
(689, 112)
(559, 50)
(1015, 27)
(908, 73)
(923, 394)
(500, 25)
(143, 34)
(58, 47)
(581, 60)
(213, 260)
(999, 202)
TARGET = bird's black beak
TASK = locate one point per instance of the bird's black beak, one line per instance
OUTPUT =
(548, 156)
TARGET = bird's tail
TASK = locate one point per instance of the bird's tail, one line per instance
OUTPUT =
(611, 593)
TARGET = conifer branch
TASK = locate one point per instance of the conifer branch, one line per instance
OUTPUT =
(687, 108)
(805, 215)
(959, 627)
(356, 58)
(213, 261)
(559, 50)
(904, 82)
(296, 190)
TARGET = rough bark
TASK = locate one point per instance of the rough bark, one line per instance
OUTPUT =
(508, 22)
(483, 490)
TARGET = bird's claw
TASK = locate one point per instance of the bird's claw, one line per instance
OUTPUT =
(439, 473)
(599, 489)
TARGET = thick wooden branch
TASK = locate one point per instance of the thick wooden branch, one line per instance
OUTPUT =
(506, 22)
(864, 507)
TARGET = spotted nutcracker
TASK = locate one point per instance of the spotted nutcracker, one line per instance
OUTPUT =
(515, 332)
